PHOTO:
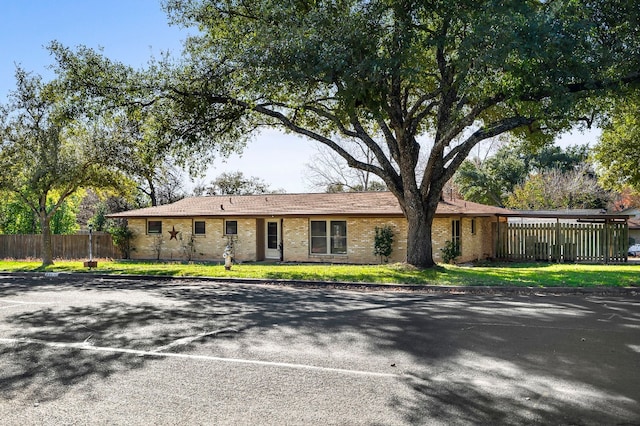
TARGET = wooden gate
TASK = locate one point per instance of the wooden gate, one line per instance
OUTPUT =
(604, 242)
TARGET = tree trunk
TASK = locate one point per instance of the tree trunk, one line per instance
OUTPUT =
(47, 247)
(420, 220)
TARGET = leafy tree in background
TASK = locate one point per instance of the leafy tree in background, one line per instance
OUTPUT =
(555, 157)
(494, 180)
(557, 189)
(47, 153)
(16, 217)
(617, 152)
(234, 183)
(491, 181)
(402, 78)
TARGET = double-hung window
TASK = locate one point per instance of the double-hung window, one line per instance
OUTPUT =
(328, 237)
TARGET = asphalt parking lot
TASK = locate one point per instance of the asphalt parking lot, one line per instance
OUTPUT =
(90, 350)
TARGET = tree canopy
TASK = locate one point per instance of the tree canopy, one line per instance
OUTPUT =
(618, 150)
(410, 80)
(493, 180)
(557, 189)
(234, 183)
(48, 152)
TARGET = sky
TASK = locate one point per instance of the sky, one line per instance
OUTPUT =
(132, 31)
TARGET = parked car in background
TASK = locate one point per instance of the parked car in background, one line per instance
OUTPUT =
(634, 250)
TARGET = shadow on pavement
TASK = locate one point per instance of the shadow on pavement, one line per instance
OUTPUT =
(480, 360)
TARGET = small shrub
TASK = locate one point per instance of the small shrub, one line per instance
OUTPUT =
(122, 236)
(383, 243)
(450, 252)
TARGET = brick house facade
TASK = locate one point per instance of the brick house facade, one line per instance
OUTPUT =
(335, 228)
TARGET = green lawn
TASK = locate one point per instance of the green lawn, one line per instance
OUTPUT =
(526, 275)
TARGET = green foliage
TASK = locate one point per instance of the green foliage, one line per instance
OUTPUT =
(122, 237)
(235, 183)
(16, 217)
(450, 251)
(617, 153)
(494, 180)
(387, 74)
(99, 219)
(554, 189)
(383, 242)
(48, 152)
(64, 220)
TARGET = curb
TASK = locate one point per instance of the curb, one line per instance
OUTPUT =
(364, 287)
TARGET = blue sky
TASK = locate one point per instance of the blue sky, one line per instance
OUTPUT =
(132, 31)
(128, 30)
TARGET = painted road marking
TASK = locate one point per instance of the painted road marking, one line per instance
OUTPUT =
(15, 303)
(88, 347)
(190, 339)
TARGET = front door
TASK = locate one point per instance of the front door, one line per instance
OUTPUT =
(272, 250)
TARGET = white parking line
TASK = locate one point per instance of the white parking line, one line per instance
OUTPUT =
(15, 303)
(88, 347)
(190, 339)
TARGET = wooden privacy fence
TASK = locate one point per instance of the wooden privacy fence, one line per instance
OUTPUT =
(605, 242)
(64, 246)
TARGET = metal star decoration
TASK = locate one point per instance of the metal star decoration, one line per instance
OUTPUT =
(173, 233)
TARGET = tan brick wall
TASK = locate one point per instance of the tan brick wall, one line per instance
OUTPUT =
(295, 235)
(440, 234)
(209, 246)
(473, 246)
(360, 239)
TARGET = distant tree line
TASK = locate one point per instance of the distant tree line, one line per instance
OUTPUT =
(519, 178)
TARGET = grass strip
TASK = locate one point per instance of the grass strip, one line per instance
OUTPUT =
(491, 274)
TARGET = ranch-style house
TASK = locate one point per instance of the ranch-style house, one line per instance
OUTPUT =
(316, 227)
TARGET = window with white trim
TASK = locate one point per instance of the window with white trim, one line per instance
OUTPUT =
(328, 237)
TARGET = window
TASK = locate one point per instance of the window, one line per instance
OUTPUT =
(199, 227)
(318, 236)
(339, 237)
(473, 227)
(328, 237)
(231, 227)
(154, 227)
(272, 235)
(455, 232)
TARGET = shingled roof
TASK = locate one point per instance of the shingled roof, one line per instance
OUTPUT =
(321, 204)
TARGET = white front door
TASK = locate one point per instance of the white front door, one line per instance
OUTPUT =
(272, 250)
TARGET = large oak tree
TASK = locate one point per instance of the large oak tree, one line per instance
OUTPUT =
(411, 80)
